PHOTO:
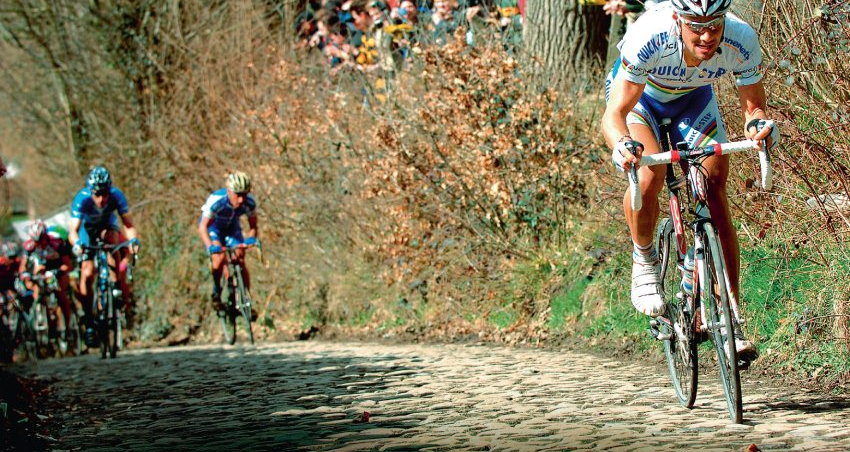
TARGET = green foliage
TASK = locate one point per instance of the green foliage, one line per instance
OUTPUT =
(567, 304)
(503, 317)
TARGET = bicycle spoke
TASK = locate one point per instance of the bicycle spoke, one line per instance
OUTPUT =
(717, 304)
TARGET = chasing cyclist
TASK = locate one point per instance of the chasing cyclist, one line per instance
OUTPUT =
(93, 214)
(668, 60)
(219, 227)
(42, 253)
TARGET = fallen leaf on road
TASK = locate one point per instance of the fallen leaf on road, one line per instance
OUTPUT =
(362, 418)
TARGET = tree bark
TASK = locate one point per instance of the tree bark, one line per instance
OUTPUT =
(564, 38)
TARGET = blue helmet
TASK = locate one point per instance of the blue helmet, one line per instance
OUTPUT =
(99, 179)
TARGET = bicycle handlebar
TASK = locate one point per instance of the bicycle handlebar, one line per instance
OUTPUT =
(673, 156)
(108, 246)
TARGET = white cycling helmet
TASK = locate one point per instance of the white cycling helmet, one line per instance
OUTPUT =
(36, 230)
(239, 182)
(703, 8)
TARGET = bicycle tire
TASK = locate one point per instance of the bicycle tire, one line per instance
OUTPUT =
(73, 337)
(228, 317)
(113, 323)
(681, 349)
(26, 335)
(717, 308)
(103, 328)
(243, 302)
(41, 327)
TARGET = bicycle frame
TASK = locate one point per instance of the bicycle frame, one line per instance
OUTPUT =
(696, 205)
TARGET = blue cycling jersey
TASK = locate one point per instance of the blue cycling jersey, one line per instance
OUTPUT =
(93, 217)
(223, 215)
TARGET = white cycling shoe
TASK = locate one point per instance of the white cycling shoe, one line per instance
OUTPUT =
(646, 288)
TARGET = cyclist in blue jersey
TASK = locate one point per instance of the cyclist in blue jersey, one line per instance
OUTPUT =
(94, 214)
(219, 227)
(668, 60)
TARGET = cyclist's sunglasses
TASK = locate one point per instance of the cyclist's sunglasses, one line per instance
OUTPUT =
(102, 192)
(701, 27)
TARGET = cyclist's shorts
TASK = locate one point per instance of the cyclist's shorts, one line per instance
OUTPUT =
(228, 238)
(695, 115)
(87, 232)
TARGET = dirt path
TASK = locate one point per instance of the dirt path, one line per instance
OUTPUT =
(307, 396)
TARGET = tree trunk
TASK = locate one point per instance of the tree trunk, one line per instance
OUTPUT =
(564, 37)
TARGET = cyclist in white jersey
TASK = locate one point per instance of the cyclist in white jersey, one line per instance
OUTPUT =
(668, 60)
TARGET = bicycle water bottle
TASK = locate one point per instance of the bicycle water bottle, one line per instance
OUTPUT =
(688, 273)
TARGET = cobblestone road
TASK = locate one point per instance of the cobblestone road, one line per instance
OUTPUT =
(308, 395)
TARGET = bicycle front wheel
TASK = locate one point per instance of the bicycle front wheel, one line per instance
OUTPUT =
(41, 326)
(228, 326)
(72, 335)
(681, 348)
(714, 293)
(243, 302)
(25, 336)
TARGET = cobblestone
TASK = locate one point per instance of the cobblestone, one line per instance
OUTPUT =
(307, 396)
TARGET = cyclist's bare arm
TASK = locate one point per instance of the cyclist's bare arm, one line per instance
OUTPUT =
(624, 96)
(753, 105)
(253, 230)
(129, 228)
(74, 231)
(203, 226)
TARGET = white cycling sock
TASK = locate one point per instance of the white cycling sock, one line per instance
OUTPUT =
(644, 254)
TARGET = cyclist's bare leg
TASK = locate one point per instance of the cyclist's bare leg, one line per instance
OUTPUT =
(62, 296)
(218, 267)
(239, 256)
(113, 237)
(718, 202)
(85, 285)
(642, 222)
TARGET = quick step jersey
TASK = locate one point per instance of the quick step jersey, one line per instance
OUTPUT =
(651, 54)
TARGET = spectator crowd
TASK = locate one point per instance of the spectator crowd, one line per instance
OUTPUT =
(374, 35)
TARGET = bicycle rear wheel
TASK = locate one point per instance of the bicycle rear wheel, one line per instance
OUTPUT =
(681, 348)
(714, 294)
(243, 302)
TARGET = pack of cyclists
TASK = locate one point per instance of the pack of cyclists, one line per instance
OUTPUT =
(100, 215)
